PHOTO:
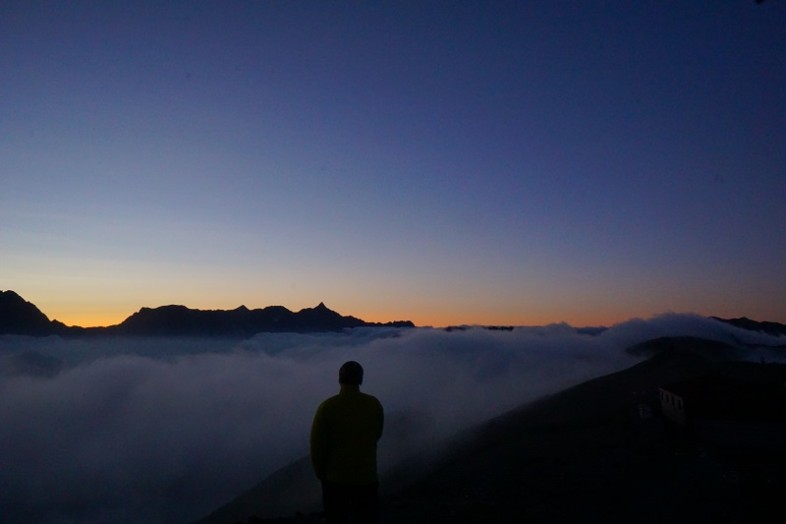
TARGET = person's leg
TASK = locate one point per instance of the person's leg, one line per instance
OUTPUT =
(335, 503)
(365, 504)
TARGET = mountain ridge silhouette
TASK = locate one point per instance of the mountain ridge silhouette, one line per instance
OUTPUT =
(20, 317)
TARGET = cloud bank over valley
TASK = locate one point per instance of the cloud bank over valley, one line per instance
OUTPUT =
(112, 429)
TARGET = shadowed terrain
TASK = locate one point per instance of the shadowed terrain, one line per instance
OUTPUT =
(597, 452)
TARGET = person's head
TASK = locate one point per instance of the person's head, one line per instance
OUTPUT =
(351, 373)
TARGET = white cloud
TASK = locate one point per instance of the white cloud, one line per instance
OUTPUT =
(162, 430)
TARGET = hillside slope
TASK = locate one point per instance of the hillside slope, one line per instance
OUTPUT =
(597, 452)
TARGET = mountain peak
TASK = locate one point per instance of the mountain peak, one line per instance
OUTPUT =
(18, 316)
(10, 295)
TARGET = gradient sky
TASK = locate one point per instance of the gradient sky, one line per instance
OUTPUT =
(450, 162)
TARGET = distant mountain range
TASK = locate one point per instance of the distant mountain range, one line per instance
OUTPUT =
(19, 317)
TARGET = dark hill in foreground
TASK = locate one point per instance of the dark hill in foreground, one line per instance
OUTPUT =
(19, 317)
(597, 452)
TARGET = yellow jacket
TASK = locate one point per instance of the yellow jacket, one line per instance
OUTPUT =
(344, 437)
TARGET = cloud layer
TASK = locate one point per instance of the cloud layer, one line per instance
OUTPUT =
(165, 430)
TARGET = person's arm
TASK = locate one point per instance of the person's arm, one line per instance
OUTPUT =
(381, 422)
(318, 445)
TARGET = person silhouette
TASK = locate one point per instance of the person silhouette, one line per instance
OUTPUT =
(343, 448)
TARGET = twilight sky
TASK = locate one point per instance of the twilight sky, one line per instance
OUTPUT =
(450, 162)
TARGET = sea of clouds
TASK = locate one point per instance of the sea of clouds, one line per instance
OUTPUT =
(166, 429)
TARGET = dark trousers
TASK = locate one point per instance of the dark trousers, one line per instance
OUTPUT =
(349, 504)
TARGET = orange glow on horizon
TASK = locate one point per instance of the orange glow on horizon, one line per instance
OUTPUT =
(86, 320)
(98, 317)
(456, 317)
(83, 318)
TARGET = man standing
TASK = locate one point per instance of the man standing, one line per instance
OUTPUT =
(344, 439)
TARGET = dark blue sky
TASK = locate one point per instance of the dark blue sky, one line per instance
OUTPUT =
(503, 162)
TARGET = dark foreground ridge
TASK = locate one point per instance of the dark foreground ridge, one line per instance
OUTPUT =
(604, 451)
(19, 317)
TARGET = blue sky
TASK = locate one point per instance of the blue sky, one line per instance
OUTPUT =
(503, 162)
